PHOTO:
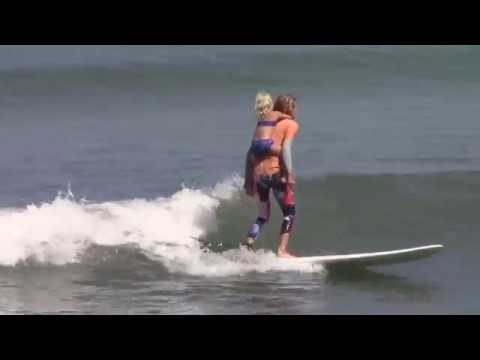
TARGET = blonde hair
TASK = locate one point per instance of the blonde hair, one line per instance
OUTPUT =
(263, 103)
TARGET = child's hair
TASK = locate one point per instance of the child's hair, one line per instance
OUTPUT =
(263, 103)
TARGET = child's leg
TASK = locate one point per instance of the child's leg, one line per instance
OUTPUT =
(276, 150)
(248, 184)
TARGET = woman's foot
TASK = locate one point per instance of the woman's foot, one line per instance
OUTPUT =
(284, 254)
(248, 243)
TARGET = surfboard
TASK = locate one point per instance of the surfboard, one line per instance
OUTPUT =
(371, 259)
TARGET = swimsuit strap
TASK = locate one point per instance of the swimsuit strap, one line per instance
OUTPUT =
(272, 123)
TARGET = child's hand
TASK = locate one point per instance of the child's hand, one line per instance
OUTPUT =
(284, 116)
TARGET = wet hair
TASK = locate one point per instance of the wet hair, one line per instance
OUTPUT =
(263, 104)
(285, 104)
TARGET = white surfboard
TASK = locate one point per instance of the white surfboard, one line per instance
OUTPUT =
(376, 258)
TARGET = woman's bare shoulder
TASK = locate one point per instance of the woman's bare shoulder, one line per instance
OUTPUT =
(289, 125)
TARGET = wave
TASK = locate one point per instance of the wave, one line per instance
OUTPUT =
(196, 231)
(166, 230)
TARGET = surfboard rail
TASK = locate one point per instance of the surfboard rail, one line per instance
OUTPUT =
(375, 258)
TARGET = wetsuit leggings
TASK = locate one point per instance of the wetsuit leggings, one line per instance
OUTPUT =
(264, 184)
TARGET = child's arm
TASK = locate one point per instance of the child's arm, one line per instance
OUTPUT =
(282, 116)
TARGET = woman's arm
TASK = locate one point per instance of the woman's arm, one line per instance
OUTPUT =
(287, 157)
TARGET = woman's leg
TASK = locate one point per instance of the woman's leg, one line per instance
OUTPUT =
(288, 211)
(262, 219)
(264, 207)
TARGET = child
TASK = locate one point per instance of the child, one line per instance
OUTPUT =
(262, 142)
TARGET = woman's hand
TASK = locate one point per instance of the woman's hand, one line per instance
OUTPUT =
(289, 179)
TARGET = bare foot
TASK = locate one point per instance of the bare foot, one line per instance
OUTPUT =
(248, 243)
(284, 254)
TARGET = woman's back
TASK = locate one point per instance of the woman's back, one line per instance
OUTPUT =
(271, 163)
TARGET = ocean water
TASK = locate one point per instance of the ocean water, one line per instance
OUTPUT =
(121, 172)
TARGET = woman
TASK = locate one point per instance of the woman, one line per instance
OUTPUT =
(275, 172)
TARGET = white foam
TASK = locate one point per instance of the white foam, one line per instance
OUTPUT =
(165, 229)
